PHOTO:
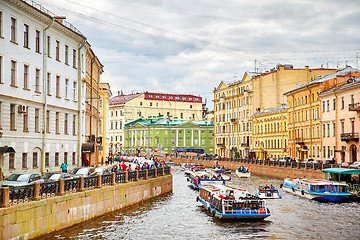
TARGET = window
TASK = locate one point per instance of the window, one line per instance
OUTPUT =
(73, 158)
(57, 51)
(26, 120)
(37, 119)
(57, 123)
(0, 114)
(334, 104)
(57, 159)
(74, 58)
(13, 30)
(47, 121)
(48, 82)
(37, 41)
(48, 46)
(140, 103)
(12, 117)
(26, 36)
(11, 160)
(57, 86)
(1, 64)
(37, 80)
(66, 88)
(26, 77)
(65, 157)
(328, 130)
(35, 160)
(328, 105)
(342, 103)
(181, 115)
(323, 108)
(66, 124)
(1, 25)
(342, 127)
(24, 160)
(334, 129)
(150, 104)
(66, 55)
(352, 99)
(47, 163)
(74, 90)
(74, 125)
(13, 73)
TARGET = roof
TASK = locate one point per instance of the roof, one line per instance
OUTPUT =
(166, 122)
(324, 78)
(354, 83)
(122, 99)
(270, 110)
(342, 170)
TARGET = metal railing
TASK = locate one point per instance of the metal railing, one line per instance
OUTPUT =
(71, 185)
(151, 173)
(49, 189)
(21, 194)
(142, 174)
(119, 177)
(106, 179)
(91, 182)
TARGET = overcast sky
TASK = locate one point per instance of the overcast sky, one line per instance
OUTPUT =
(190, 46)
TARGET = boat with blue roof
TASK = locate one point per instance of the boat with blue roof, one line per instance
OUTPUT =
(316, 189)
(226, 202)
(198, 179)
(268, 192)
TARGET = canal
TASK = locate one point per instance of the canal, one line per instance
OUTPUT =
(179, 216)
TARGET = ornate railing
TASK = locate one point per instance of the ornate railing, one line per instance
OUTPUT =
(160, 172)
(49, 189)
(167, 170)
(21, 194)
(151, 173)
(119, 177)
(142, 174)
(106, 179)
(131, 176)
(71, 185)
(91, 182)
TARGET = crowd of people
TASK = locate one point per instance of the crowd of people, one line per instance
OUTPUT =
(243, 169)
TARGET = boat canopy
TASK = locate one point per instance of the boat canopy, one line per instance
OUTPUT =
(342, 170)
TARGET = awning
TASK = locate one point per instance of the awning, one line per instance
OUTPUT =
(342, 170)
(339, 151)
(87, 147)
(6, 149)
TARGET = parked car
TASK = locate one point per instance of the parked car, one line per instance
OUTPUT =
(83, 171)
(102, 170)
(345, 164)
(55, 176)
(308, 160)
(355, 164)
(22, 179)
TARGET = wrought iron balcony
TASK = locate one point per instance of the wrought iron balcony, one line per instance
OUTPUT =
(354, 106)
(234, 120)
(346, 137)
(221, 145)
(299, 141)
(244, 145)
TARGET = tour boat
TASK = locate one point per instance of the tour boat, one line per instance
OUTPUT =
(242, 173)
(221, 170)
(265, 192)
(316, 189)
(198, 179)
(225, 202)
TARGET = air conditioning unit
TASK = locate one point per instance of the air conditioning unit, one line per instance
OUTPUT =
(22, 108)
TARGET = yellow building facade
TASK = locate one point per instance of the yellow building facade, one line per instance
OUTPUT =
(270, 133)
(105, 94)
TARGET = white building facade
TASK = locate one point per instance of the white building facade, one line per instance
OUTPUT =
(41, 89)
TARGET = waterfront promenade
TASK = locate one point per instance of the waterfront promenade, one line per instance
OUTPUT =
(32, 211)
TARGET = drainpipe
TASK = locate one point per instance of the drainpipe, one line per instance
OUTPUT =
(336, 135)
(45, 53)
(79, 101)
(91, 107)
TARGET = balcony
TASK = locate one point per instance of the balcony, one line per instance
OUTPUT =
(221, 145)
(299, 141)
(354, 106)
(248, 90)
(245, 145)
(346, 137)
(234, 120)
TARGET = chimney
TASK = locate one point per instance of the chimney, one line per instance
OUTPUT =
(118, 93)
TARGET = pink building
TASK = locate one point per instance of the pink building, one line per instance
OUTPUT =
(340, 118)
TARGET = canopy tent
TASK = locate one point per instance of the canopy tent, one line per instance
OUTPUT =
(342, 170)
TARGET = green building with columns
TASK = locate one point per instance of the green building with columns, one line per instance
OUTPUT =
(163, 135)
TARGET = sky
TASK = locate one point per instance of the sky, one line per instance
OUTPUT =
(189, 47)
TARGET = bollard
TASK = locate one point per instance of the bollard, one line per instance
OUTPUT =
(81, 188)
(155, 173)
(6, 197)
(99, 181)
(146, 174)
(126, 176)
(169, 170)
(36, 191)
(113, 178)
(313, 166)
(137, 175)
(61, 187)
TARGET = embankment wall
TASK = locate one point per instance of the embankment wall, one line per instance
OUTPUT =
(36, 218)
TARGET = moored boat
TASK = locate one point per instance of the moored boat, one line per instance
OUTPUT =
(198, 179)
(243, 172)
(226, 202)
(266, 192)
(316, 189)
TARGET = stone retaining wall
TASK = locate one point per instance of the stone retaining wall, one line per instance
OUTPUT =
(263, 170)
(36, 218)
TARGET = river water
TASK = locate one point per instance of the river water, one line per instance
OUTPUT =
(179, 216)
